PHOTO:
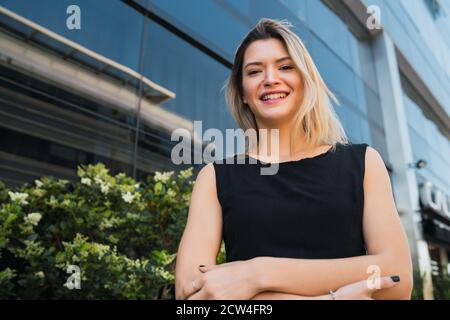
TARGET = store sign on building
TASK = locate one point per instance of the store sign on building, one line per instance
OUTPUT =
(434, 200)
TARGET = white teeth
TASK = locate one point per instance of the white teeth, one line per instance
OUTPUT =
(274, 96)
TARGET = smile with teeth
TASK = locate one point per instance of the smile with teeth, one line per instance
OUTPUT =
(274, 97)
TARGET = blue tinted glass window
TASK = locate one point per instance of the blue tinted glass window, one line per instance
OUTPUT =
(110, 28)
(430, 144)
(195, 78)
(206, 21)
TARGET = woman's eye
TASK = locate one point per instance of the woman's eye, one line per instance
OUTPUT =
(286, 67)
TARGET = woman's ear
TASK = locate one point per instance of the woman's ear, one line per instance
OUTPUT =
(243, 100)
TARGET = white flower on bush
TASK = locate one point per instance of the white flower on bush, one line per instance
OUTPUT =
(137, 186)
(38, 192)
(40, 274)
(160, 272)
(163, 177)
(171, 193)
(98, 180)
(38, 183)
(184, 174)
(128, 197)
(18, 197)
(86, 181)
(53, 202)
(100, 249)
(104, 188)
(136, 264)
(33, 218)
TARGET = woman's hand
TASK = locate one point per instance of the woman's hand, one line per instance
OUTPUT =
(228, 281)
(364, 289)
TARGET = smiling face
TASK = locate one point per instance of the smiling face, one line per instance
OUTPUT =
(272, 84)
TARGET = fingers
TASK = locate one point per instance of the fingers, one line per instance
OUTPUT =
(192, 287)
(389, 282)
(195, 285)
(207, 268)
(383, 283)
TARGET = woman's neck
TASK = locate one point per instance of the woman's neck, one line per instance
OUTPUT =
(274, 144)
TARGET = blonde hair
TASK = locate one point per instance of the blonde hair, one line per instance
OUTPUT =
(315, 116)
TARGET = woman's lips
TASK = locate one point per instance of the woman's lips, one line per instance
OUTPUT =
(274, 101)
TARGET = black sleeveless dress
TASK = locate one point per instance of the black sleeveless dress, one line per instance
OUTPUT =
(311, 208)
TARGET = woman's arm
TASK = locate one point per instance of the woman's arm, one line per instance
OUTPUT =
(384, 237)
(354, 291)
(286, 296)
(202, 236)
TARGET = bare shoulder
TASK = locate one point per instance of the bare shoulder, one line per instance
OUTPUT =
(375, 168)
(206, 173)
(204, 201)
(373, 158)
(206, 179)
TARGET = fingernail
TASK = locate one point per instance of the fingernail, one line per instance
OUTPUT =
(395, 278)
(201, 266)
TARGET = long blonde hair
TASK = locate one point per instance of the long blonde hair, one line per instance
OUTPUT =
(315, 117)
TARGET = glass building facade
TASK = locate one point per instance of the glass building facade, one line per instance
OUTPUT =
(138, 69)
(194, 64)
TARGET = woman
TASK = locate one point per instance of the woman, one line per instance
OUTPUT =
(319, 227)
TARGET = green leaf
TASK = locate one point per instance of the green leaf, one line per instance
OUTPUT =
(32, 237)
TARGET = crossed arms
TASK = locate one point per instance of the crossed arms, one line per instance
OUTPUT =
(260, 278)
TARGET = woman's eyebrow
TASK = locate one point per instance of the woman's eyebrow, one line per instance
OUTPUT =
(260, 63)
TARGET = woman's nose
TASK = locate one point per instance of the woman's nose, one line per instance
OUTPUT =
(271, 78)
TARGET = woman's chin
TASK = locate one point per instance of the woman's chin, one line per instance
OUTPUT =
(275, 113)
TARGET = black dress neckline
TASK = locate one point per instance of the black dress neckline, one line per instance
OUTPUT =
(296, 161)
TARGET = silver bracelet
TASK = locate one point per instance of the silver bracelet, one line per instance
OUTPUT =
(332, 294)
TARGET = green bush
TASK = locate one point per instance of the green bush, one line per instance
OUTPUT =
(417, 292)
(122, 234)
(441, 285)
